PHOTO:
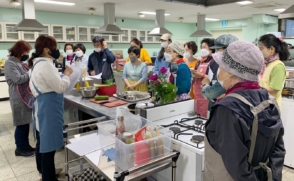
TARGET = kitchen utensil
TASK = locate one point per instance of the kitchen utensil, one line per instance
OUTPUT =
(140, 106)
(115, 104)
(87, 92)
(131, 97)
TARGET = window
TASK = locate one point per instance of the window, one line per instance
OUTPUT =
(289, 30)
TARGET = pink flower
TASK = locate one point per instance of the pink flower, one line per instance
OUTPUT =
(153, 77)
(163, 70)
(157, 83)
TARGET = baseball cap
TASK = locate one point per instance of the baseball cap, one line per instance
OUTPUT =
(223, 41)
(165, 37)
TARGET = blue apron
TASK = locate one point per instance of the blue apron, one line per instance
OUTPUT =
(50, 117)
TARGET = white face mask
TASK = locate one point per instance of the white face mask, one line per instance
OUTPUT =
(164, 44)
(69, 52)
(221, 81)
(97, 50)
(79, 53)
(204, 53)
(187, 55)
(168, 57)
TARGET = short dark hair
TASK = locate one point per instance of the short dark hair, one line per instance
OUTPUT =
(19, 48)
(209, 42)
(137, 42)
(192, 46)
(99, 39)
(68, 44)
(280, 46)
(80, 46)
(134, 50)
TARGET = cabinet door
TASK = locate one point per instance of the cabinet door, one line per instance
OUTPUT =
(29, 36)
(45, 32)
(57, 32)
(125, 37)
(70, 34)
(93, 32)
(1, 32)
(82, 34)
(115, 38)
(142, 36)
(10, 33)
(149, 38)
(157, 39)
(133, 34)
(106, 37)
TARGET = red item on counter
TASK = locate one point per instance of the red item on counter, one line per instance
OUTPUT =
(107, 90)
(141, 149)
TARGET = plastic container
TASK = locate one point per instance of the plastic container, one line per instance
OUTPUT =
(138, 153)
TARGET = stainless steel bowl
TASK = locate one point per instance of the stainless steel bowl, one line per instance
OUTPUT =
(88, 92)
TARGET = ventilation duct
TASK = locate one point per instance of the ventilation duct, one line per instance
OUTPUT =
(264, 19)
(288, 13)
(201, 32)
(29, 22)
(109, 19)
(205, 3)
(159, 24)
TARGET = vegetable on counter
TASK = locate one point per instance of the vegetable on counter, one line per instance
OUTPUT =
(100, 98)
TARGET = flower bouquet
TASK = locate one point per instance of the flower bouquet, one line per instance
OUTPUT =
(163, 90)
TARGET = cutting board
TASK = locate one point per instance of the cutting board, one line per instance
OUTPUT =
(97, 102)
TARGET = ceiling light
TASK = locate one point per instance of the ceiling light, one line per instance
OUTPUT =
(141, 15)
(151, 13)
(244, 2)
(280, 10)
(14, 3)
(55, 2)
(91, 10)
(211, 19)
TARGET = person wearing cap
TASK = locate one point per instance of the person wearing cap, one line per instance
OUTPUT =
(273, 78)
(244, 134)
(201, 103)
(212, 89)
(180, 73)
(160, 60)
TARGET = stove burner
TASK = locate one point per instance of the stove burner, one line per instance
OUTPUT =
(197, 139)
(175, 129)
(198, 122)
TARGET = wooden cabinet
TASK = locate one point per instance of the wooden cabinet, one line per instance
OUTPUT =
(70, 34)
(11, 34)
(83, 34)
(287, 119)
(58, 32)
(1, 32)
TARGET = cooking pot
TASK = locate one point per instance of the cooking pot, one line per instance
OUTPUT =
(140, 106)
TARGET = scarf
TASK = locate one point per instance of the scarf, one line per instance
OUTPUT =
(206, 59)
(267, 61)
(247, 85)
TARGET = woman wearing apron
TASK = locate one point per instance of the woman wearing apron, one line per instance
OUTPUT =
(201, 103)
(244, 134)
(17, 78)
(135, 72)
(47, 88)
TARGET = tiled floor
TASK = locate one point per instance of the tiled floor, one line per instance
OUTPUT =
(24, 169)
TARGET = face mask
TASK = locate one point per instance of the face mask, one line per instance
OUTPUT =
(187, 54)
(133, 58)
(204, 53)
(79, 53)
(55, 54)
(221, 81)
(164, 44)
(24, 58)
(97, 50)
(69, 52)
(168, 57)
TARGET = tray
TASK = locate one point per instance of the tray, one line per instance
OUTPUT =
(132, 101)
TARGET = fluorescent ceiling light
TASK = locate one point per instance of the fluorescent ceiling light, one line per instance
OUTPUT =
(55, 2)
(151, 13)
(280, 10)
(211, 19)
(244, 2)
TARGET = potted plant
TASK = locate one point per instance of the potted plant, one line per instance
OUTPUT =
(107, 89)
(162, 89)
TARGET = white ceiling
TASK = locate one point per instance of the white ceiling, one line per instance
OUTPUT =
(130, 9)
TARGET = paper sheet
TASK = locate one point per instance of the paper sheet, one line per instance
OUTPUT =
(210, 75)
(96, 76)
(74, 77)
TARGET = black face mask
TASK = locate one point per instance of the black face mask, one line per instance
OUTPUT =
(55, 54)
(24, 58)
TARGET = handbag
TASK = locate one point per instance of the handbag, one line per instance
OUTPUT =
(24, 90)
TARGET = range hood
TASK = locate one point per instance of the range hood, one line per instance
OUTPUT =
(159, 24)
(29, 22)
(201, 32)
(205, 3)
(109, 19)
(288, 13)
